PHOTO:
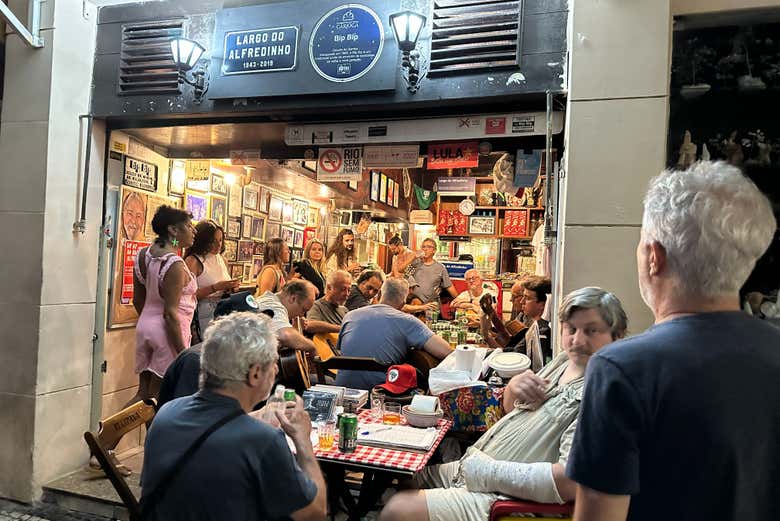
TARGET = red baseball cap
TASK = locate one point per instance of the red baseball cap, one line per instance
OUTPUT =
(400, 378)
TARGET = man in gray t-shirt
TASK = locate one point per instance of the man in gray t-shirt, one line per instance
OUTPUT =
(431, 276)
(326, 314)
(384, 332)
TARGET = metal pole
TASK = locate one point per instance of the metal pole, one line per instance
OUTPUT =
(31, 38)
(80, 226)
(550, 214)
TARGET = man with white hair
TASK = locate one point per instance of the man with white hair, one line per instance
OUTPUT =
(384, 332)
(326, 314)
(683, 420)
(206, 458)
(468, 300)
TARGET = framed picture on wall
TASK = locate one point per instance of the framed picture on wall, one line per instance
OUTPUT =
(288, 235)
(382, 188)
(390, 191)
(233, 229)
(298, 239)
(218, 184)
(235, 198)
(396, 196)
(231, 251)
(273, 230)
(258, 223)
(259, 248)
(247, 273)
(257, 267)
(314, 217)
(262, 205)
(352, 185)
(374, 196)
(197, 205)
(287, 213)
(481, 225)
(245, 251)
(246, 227)
(251, 197)
(236, 271)
(275, 207)
(300, 212)
(177, 180)
(218, 210)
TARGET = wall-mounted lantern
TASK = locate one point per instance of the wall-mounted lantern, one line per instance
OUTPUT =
(186, 56)
(407, 26)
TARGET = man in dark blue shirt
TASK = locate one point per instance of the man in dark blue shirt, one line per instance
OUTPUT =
(683, 421)
(244, 469)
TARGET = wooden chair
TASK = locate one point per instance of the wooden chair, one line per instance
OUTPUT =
(110, 431)
(510, 509)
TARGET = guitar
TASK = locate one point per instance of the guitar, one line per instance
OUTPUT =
(294, 369)
(512, 327)
(326, 345)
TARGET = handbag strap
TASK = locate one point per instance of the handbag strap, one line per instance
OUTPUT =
(156, 494)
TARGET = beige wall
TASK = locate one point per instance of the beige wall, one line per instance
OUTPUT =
(683, 7)
(616, 139)
(47, 273)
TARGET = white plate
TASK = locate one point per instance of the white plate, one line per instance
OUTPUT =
(510, 361)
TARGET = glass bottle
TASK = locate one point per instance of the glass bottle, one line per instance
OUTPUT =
(274, 403)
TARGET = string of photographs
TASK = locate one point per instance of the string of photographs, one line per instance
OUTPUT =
(249, 215)
(384, 189)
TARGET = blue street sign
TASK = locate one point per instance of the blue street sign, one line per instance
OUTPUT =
(346, 43)
(260, 50)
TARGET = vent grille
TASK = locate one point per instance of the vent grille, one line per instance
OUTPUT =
(146, 62)
(475, 35)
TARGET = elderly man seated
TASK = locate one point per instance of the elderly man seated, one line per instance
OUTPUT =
(326, 314)
(524, 454)
(243, 467)
(384, 332)
(468, 300)
(293, 302)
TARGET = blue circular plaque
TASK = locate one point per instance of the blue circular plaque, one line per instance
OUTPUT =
(346, 43)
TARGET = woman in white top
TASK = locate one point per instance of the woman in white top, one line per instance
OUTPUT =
(204, 259)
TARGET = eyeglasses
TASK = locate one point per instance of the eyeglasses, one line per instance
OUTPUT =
(428, 247)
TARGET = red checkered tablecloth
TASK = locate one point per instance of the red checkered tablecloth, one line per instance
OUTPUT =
(381, 457)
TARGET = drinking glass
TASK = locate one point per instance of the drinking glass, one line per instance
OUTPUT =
(377, 405)
(325, 434)
(392, 413)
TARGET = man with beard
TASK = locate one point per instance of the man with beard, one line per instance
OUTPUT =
(685, 417)
(342, 254)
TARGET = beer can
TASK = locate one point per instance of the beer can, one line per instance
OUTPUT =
(348, 429)
(289, 395)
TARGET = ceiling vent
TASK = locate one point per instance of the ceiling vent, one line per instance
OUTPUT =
(146, 63)
(475, 35)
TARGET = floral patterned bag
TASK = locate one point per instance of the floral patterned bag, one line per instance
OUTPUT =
(472, 409)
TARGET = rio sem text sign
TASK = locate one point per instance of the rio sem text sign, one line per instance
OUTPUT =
(260, 50)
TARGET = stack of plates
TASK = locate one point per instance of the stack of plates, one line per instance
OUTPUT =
(509, 364)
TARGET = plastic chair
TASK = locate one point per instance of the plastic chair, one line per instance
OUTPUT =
(110, 431)
(511, 509)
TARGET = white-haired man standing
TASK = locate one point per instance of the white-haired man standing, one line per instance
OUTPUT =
(683, 420)
(243, 469)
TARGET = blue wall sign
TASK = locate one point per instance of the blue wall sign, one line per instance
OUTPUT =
(260, 50)
(346, 43)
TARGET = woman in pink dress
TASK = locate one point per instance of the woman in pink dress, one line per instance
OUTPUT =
(164, 296)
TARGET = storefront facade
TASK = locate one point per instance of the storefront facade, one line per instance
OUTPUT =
(616, 110)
